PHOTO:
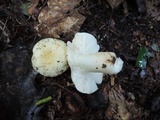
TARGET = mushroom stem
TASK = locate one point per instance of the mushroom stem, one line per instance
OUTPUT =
(104, 62)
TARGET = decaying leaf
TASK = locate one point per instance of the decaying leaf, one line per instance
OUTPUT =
(74, 104)
(63, 5)
(114, 3)
(117, 108)
(122, 109)
(59, 18)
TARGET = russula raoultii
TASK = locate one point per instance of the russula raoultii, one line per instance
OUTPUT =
(87, 64)
(49, 57)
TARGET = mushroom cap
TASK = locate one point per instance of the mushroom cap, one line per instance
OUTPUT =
(49, 57)
(83, 43)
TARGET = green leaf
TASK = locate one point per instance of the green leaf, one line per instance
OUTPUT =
(141, 58)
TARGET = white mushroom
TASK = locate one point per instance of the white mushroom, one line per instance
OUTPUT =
(87, 64)
(49, 57)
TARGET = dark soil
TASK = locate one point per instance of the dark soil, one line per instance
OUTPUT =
(124, 34)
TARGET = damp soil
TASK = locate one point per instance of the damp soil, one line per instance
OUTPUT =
(127, 95)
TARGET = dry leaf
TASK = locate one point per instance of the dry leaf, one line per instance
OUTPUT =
(121, 109)
(63, 5)
(59, 18)
(117, 108)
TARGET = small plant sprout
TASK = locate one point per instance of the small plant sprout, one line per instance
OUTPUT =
(49, 57)
(43, 101)
(88, 65)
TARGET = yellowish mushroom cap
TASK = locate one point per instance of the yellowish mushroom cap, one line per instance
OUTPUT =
(49, 57)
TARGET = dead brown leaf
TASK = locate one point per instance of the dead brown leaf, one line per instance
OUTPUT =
(121, 108)
(63, 5)
(117, 109)
(59, 18)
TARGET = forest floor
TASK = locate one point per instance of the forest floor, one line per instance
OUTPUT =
(134, 93)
